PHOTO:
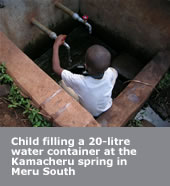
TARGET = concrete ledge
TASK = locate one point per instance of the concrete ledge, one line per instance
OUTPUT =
(42, 90)
(132, 98)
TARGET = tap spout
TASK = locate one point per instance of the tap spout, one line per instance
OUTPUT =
(89, 26)
(74, 15)
(66, 45)
(78, 18)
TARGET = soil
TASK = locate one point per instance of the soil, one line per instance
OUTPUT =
(10, 117)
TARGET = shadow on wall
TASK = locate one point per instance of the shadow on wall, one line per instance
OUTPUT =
(144, 24)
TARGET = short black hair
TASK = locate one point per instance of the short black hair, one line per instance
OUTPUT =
(97, 58)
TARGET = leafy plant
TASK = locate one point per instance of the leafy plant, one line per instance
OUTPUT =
(135, 123)
(165, 82)
(17, 100)
(4, 78)
(2, 68)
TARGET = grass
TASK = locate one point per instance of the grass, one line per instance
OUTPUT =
(134, 123)
(163, 85)
(165, 82)
(17, 100)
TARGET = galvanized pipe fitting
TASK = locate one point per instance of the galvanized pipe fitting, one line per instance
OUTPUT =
(51, 34)
(74, 15)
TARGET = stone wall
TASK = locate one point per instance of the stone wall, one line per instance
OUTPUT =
(15, 18)
(145, 24)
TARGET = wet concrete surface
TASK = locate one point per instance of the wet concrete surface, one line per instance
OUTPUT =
(127, 65)
(150, 115)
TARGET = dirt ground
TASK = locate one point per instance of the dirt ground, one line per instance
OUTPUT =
(10, 117)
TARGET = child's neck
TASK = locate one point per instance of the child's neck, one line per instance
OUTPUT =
(97, 76)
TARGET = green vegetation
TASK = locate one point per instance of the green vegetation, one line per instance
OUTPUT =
(4, 78)
(134, 123)
(17, 100)
(165, 82)
(160, 96)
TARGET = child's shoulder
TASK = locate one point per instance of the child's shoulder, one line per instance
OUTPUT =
(112, 71)
(69, 76)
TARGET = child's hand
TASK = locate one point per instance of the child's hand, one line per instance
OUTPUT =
(60, 40)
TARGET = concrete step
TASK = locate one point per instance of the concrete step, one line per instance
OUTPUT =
(45, 93)
(132, 98)
(126, 65)
(146, 123)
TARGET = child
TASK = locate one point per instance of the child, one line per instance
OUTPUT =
(94, 90)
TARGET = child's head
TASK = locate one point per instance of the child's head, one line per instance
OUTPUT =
(97, 59)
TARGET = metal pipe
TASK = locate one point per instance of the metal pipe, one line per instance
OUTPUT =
(89, 26)
(74, 15)
(64, 8)
(51, 34)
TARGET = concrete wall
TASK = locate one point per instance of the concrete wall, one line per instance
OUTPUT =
(145, 23)
(15, 18)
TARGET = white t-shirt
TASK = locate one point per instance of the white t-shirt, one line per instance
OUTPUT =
(94, 94)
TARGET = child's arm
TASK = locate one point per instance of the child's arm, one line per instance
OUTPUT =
(56, 61)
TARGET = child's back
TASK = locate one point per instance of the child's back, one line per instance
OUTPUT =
(94, 94)
(95, 89)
